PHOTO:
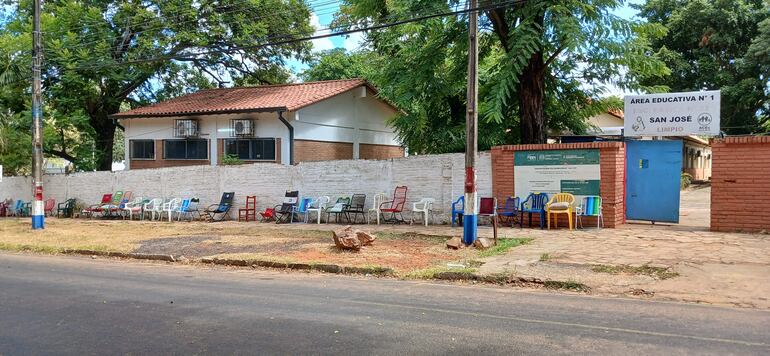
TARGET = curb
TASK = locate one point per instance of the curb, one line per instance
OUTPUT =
(505, 279)
(328, 268)
(138, 256)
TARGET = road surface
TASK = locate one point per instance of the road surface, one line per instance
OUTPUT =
(74, 305)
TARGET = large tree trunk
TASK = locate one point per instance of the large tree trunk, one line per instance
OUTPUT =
(534, 127)
(105, 136)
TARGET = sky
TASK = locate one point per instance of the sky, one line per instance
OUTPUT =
(323, 13)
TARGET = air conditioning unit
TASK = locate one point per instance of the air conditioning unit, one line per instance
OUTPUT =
(186, 128)
(242, 127)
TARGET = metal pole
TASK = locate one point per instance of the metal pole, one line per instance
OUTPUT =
(470, 218)
(37, 124)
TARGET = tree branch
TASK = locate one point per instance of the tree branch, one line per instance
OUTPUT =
(497, 16)
(62, 154)
(553, 56)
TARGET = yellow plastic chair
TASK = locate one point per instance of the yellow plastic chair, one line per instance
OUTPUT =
(560, 203)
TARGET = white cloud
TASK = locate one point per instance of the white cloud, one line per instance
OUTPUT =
(320, 44)
(354, 41)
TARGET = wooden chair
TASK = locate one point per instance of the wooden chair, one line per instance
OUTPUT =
(249, 213)
(488, 207)
(560, 203)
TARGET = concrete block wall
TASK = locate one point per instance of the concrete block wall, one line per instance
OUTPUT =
(740, 184)
(436, 176)
(612, 167)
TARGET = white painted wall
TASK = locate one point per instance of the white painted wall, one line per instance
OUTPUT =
(212, 127)
(355, 116)
(436, 176)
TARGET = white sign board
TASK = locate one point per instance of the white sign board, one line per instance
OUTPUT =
(672, 114)
(556, 171)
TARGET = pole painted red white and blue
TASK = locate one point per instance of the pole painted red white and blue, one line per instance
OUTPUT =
(470, 213)
(38, 210)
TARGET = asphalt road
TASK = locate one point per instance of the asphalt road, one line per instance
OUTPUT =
(72, 305)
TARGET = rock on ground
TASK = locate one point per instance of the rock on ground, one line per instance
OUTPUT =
(349, 239)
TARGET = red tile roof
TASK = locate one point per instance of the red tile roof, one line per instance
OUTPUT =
(616, 112)
(243, 99)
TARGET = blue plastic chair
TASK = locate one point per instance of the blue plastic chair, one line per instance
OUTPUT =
(458, 213)
(535, 203)
(510, 211)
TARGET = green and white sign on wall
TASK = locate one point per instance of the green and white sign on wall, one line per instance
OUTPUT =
(557, 171)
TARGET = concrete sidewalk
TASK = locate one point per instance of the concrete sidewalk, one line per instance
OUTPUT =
(713, 267)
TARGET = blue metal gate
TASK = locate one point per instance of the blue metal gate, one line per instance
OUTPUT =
(653, 173)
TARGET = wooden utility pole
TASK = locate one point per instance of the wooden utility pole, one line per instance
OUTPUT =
(470, 218)
(38, 212)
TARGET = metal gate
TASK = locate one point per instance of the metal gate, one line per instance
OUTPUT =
(653, 173)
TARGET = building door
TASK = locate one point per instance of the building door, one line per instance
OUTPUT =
(653, 173)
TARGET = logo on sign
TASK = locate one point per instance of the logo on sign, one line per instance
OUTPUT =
(704, 120)
(638, 125)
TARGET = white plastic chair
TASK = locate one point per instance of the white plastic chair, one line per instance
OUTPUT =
(379, 198)
(133, 207)
(152, 207)
(317, 206)
(170, 207)
(424, 206)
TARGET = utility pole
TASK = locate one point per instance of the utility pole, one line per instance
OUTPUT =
(470, 217)
(37, 123)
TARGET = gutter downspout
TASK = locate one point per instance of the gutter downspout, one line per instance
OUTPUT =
(291, 136)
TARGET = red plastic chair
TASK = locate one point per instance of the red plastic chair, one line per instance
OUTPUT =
(89, 211)
(48, 207)
(395, 206)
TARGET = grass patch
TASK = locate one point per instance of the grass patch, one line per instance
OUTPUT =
(545, 257)
(30, 248)
(654, 272)
(503, 245)
(567, 285)
(406, 236)
(434, 272)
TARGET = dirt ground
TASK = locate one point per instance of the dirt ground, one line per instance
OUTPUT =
(401, 251)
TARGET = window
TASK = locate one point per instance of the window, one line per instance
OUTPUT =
(142, 149)
(251, 149)
(185, 149)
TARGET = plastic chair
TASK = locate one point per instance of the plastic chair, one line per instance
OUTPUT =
(560, 203)
(152, 207)
(317, 206)
(378, 199)
(590, 206)
(135, 207)
(424, 207)
(48, 207)
(509, 211)
(170, 207)
(535, 203)
(457, 213)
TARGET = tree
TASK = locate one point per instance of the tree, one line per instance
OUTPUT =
(718, 45)
(543, 64)
(103, 54)
(337, 63)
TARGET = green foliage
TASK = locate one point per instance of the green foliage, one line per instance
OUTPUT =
(338, 64)
(718, 45)
(231, 160)
(685, 180)
(422, 66)
(102, 56)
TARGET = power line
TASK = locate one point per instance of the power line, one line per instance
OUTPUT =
(244, 7)
(192, 56)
